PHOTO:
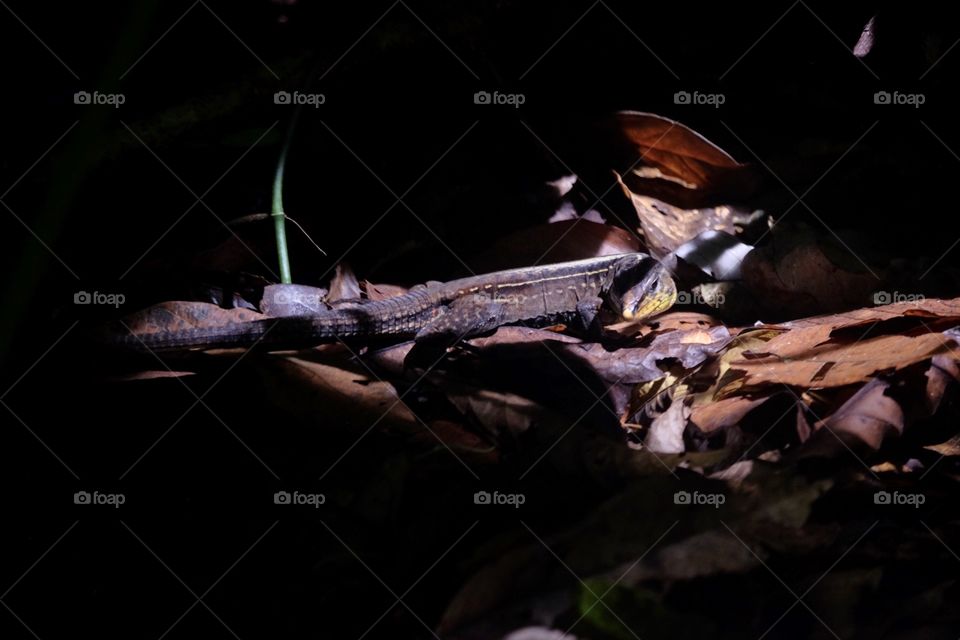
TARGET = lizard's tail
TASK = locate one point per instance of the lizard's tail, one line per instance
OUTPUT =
(271, 331)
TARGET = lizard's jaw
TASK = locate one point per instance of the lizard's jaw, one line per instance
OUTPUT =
(651, 300)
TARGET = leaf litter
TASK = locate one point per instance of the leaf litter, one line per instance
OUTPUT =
(751, 437)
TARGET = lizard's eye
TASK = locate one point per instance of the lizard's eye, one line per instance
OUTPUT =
(652, 295)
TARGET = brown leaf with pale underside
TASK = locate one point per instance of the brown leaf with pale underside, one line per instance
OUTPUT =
(727, 412)
(866, 419)
(680, 183)
(676, 164)
(832, 365)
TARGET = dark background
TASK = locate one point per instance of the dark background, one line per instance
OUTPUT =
(86, 207)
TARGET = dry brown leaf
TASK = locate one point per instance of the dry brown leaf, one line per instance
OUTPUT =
(446, 433)
(666, 226)
(674, 320)
(944, 371)
(151, 375)
(847, 348)
(666, 431)
(793, 342)
(950, 447)
(630, 365)
(498, 412)
(729, 381)
(942, 311)
(685, 320)
(697, 336)
(867, 418)
(835, 365)
(382, 291)
(678, 164)
(679, 183)
(727, 412)
(344, 284)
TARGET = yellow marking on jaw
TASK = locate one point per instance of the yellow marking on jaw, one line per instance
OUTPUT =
(653, 303)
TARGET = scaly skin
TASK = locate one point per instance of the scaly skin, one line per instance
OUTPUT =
(633, 285)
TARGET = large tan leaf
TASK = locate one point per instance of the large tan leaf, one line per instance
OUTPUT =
(833, 365)
(727, 412)
(680, 183)
(867, 418)
(676, 164)
(666, 226)
(934, 313)
(847, 348)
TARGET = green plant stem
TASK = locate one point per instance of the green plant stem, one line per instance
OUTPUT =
(279, 217)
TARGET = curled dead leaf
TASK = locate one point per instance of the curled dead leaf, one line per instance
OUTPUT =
(680, 184)
(676, 164)
(866, 420)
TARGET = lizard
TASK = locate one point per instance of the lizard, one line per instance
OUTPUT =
(634, 286)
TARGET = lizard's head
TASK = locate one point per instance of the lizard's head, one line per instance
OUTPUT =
(642, 288)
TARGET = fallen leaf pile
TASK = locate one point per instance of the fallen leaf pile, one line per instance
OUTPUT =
(743, 442)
